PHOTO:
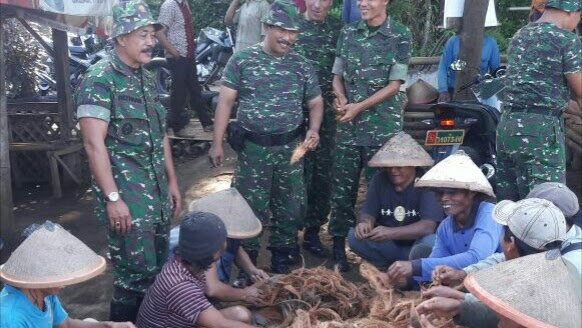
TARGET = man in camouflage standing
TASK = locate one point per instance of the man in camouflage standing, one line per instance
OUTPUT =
(134, 183)
(544, 61)
(316, 41)
(371, 63)
(272, 83)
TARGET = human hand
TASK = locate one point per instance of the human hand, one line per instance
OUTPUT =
(425, 323)
(399, 270)
(441, 306)
(311, 139)
(363, 229)
(379, 233)
(119, 216)
(257, 275)
(339, 101)
(448, 276)
(216, 155)
(350, 112)
(251, 294)
(112, 324)
(444, 97)
(443, 291)
(175, 198)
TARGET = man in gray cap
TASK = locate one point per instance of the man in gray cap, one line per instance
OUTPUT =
(134, 183)
(178, 297)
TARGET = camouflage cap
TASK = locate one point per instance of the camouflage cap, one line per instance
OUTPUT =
(282, 14)
(565, 5)
(128, 16)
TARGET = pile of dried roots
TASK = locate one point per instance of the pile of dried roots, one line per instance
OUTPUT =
(321, 298)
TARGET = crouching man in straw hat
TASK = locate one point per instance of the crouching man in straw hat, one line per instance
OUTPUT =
(468, 234)
(178, 297)
(241, 223)
(531, 226)
(49, 259)
(396, 215)
(124, 133)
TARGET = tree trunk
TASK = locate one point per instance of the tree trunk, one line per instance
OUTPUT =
(470, 45)
(427, 27)
(64, 92)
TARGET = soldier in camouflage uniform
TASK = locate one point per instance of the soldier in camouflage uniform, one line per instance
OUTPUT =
(316, 41)
(134, 183)
(272, 84)
(544, 59)
(371, 63)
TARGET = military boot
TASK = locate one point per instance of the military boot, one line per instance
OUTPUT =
(339, 254)
(280, 260)
(242, 279)
(312, 244)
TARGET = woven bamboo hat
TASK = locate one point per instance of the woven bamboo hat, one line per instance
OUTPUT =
(230, 206)
(51, 257)
(401, 150)
(421, 92)
(456, 171)
(533, 291)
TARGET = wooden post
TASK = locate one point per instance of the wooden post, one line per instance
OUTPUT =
(64, 92)
(470, 45)
(6, 216)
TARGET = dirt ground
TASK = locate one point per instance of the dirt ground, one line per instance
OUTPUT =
(74, 211)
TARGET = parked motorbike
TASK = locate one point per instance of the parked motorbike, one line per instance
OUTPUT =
(468, 125)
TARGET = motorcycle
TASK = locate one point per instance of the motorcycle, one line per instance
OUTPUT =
(468, 125)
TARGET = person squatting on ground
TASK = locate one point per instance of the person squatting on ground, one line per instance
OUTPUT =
(248, 19)
(316, 41)
(371, 63)
(178, 298)
(397, 219)
(241, 223)
(468, 234)
(124, 133)
(271, 83)
(543, 62)
(177, 38)
(49, 259)
(531, 226)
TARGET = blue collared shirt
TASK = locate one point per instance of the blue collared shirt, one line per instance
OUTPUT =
(350, 12)
(446, 76)
(459, 247)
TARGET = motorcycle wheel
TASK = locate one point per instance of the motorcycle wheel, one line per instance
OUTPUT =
(163, 80)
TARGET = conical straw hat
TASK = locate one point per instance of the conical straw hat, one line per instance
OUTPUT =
(51, 257)
(401, 150)
(533, 291)
(229, 205)
(456, 171)
(420, 92)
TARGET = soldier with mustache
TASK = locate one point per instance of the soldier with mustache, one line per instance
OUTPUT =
(124, 133)
(272, 84)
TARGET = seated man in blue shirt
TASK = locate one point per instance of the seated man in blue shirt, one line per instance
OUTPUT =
(395, 215)
(46, 261)
(446, 76)
(468, 234)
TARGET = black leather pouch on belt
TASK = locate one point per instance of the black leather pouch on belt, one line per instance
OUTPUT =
(280, 139)
(235, 136)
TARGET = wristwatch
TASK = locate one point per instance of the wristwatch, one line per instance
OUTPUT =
(112, 196)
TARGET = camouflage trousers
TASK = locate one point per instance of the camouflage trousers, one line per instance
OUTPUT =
(274, 189)
(348, 164)
(137, 258)
(530, 151)
(318, 165)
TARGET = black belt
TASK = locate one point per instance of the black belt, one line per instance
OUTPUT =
(556, 113)
(268, 140)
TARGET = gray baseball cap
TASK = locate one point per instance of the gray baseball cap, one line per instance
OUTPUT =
(559, 194)
(536, 222)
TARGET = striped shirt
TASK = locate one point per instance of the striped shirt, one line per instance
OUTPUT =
(175, 300)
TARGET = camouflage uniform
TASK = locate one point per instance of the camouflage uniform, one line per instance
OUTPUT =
(126, 99)
(371, 59)
(316, 41)
(271, 91)
(530, 146)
